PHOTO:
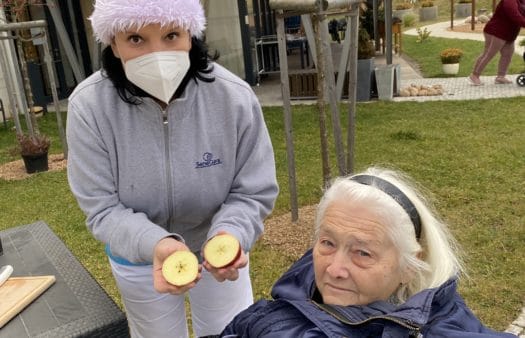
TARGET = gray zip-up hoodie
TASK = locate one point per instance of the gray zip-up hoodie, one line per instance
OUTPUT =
(204, 164)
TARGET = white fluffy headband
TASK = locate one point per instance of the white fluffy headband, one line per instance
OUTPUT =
(112, 16)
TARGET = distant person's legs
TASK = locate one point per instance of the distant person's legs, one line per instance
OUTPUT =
(492, 46)
(506, 56)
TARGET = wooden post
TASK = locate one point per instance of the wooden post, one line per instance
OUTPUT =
(317, 40)
(388, 31)
(472, 15)
(288, 129)
(343, 64)
(54, 10)
(32, 126)
(42, 24)
(52, 83)
(10, 90)
(352, 88)
(330, 87)
(320, 101)
(308, 30)
(452, 14)
(375, 14)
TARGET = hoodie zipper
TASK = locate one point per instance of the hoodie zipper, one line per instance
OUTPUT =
(413, 329)
(168, 166)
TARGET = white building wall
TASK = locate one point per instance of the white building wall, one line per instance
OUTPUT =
(3, 88)
(7, 48)
(3, 95)
(18, 90)
(223, 34)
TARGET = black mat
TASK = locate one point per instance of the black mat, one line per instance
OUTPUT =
(75, 306)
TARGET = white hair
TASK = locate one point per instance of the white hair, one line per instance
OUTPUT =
(433, 259)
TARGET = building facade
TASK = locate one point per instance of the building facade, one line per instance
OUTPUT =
(233, 27)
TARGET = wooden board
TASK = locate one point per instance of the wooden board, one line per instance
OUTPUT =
(18, 292)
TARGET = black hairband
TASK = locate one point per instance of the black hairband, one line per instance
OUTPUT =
(396, 194)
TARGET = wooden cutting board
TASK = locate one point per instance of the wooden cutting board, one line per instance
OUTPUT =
(18, 292)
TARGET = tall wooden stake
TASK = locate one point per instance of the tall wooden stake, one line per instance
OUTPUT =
(288, 128)
(321, 101)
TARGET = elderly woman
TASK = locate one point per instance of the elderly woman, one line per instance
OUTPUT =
(382, 265)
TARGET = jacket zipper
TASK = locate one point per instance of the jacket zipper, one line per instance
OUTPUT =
(413, 329)
(168, 167)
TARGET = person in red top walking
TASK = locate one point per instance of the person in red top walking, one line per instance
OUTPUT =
(500, 33)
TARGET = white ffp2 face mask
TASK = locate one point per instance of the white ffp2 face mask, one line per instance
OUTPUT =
(159, 73)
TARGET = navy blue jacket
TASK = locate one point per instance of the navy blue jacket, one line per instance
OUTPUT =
(438, 312)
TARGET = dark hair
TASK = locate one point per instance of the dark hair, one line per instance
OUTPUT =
(200, 65)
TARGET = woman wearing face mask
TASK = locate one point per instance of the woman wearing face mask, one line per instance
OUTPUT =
(166, 150)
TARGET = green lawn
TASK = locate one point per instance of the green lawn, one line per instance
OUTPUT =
(470, 154)
(426, 56)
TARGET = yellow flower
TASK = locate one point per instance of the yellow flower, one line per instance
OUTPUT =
(451, 55)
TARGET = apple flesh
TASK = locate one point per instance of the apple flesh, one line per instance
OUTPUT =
(222, 250)
(180, 268)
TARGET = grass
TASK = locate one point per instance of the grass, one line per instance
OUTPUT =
(470, 154)
(426, 56)
(444, 9)
(46, 125)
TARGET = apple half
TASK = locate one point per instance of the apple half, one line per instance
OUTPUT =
(180, 268)
(222, 250)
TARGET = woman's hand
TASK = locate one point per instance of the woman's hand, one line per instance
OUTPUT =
(163, 249)
(230, 272)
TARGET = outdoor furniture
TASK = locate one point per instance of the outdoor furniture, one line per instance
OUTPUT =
(266, 55)
(303, 84)
(266, 58)
(74, 306)
(396, 33)
(295, 41)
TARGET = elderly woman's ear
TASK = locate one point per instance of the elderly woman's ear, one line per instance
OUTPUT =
(407, 275)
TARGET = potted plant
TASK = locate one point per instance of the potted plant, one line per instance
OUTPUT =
(365, 65)
(33, 144)
(450, 58)
(463, 8)
(34, 151)
(365, 46)
(428, 10)
(401, 9)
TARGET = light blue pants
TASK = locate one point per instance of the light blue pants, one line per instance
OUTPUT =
(154, 315)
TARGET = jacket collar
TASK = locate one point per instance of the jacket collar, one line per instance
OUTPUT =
(298, 284)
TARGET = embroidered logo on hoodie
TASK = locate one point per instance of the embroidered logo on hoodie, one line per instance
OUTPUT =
(208, 161)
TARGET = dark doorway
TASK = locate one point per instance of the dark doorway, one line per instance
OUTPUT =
(260, 49)
(71, 14)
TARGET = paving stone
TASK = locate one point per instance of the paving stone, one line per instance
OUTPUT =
(516, 330)
(521, 319)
